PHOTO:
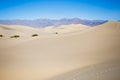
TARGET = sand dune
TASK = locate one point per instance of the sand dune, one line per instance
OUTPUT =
(65, 28)
(102, 71)
(74, 47)
(8, 30)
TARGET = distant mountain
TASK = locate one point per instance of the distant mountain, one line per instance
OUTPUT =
(49, 22)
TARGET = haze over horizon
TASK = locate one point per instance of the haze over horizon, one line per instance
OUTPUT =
(57, 9)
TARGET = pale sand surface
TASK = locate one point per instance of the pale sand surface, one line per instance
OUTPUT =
(49, 54)
(102, 71)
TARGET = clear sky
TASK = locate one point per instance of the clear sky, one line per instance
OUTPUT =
(57, 9)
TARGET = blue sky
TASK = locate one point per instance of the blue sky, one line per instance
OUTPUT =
(57, 9)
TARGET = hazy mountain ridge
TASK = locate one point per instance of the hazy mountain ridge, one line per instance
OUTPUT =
(50, 22)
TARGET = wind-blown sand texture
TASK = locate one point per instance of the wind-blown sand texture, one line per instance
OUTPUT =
(76, 52)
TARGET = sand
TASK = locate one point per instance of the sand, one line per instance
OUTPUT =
(50, 56)
(104, 71)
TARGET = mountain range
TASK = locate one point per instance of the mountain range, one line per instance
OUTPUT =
(50, 22)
